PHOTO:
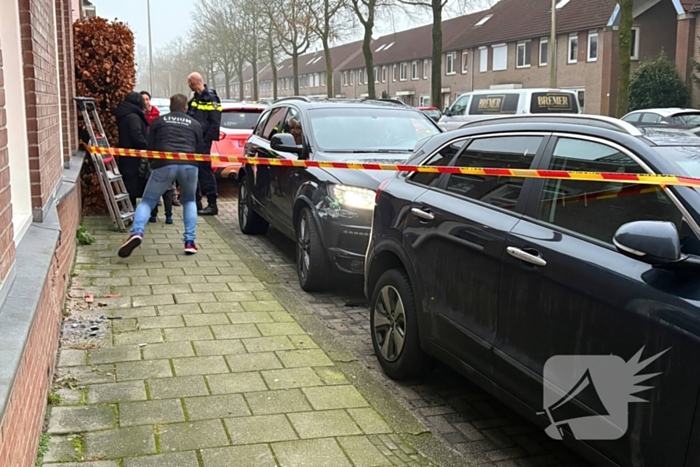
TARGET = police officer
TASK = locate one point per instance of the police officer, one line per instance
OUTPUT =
(205, 107)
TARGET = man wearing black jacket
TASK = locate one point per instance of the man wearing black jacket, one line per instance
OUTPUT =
(174, 132)
(205, 107)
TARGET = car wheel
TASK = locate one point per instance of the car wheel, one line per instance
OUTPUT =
(313, 267)
(394, 325)
(249, 221)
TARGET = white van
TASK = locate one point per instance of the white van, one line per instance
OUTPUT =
(480, 105)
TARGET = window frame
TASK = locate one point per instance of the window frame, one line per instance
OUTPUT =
(383, 73)
(543, 162)
(414, 71)
(403, 71)
(527, 58)
(495, 47)
(544, 41)
(591, 35)
(393, 73)
(636, 30)
(376, 74)
(483, 59)
(465, 62)
(426, 68)
(570, 49)
(453, 56)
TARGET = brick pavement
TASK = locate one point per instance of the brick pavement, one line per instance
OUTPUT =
(465, 417)
(204, 366)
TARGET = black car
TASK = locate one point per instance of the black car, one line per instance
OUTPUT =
(326, 211)
(497, 275)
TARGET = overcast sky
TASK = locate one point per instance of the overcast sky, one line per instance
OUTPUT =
(171, 18)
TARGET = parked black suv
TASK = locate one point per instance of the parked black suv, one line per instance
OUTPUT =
(498, 275)
(326, 211)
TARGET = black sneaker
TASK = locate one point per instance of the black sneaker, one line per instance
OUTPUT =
(130, 245)
(211, 210)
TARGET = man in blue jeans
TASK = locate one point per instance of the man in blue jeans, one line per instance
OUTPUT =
(174, 132)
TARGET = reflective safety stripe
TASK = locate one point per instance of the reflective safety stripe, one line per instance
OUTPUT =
(206, 106)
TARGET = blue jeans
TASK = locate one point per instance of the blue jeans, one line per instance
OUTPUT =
(161, 179)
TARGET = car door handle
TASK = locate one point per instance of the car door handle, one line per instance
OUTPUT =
(428, 216)
(525, 256)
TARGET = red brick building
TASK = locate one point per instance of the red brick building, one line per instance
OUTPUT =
(39, 210)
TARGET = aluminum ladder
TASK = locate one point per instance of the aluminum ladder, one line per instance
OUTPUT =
(116, 197)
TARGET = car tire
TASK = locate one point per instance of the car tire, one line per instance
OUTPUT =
(394, 327)
(313, 266)
(249, 221)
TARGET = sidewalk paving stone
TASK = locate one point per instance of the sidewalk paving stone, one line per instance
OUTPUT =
(205, 368)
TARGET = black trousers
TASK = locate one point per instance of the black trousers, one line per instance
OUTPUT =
(167, 202)
(207, 183)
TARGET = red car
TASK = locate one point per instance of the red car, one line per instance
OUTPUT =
(237, 123)
(432, 112)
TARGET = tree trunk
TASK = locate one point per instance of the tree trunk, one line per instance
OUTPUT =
(241, 91)
(369, 62)
(436, 65)
(273, 65)
(227, 78)
(295, 68)
(624, 56)
(329, 66)
(256, 94)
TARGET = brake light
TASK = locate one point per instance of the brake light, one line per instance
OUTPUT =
(241, 143)
(379, 190)
(222, 136)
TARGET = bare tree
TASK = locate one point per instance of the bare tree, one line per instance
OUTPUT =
(366, 11)
(271, 42)
(624, 55)
(292, 24)
(329, 24)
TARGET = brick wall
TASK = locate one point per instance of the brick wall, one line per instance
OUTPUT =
(66, 76)
(24, 413)
(42, 98)
(7, 245)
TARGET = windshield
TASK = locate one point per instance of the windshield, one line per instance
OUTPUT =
(239, 119)
(433, 113)
(685, 159)
(369, 129)
(689, 119)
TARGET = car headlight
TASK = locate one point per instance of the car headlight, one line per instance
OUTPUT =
(353, 197)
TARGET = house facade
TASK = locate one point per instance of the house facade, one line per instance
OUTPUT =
(508, 46)
(39, 209)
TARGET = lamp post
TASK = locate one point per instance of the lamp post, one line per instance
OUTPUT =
(553, 48)
(150, 45)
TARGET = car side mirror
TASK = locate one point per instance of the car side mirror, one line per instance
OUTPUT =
(653, 242)
(447, 112)
(284, 142)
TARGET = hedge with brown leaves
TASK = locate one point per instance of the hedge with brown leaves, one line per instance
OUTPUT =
(104, 69)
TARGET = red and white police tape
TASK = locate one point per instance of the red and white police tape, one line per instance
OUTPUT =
(630, 178)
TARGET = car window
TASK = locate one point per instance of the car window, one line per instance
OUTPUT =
(460, 106)
(486, 104)
(650, 118)
(510, 152)
(688, 119)
(292, 124)
(274, 123)
(441, 158)
(262, 122)
(598, 209)
(553, 103)
(632, 117)
(241, 119)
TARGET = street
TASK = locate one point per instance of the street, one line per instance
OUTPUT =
(458, 412)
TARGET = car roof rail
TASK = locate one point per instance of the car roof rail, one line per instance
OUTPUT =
(599, 121)
(386, 99)
(294, 98)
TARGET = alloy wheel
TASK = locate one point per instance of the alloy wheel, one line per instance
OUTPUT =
(304, 248)
(390, 323)
(243, 204)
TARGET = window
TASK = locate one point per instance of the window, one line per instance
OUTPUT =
(366, 80)
(414, 70)
(404, 71)
(465, 61)
(572, 204)
(500, 57)
(292, 125)
(393, 73)
(485, 104)
(376, 74)
(651, 118)
(573, 48)
(553, 103)
(632, 117)
(561, 4)
(524, 54)
(274, 123)
(441, 158)
(592, 46)
(426, 68)
(317, 81)
(262, 123)
(544, 52)
(352, 78)
(323, 79)
(460, 106)
(483, 20)
(510, 152)
(383, 73)
(635, 44)
(483, 59)
(450, 63)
